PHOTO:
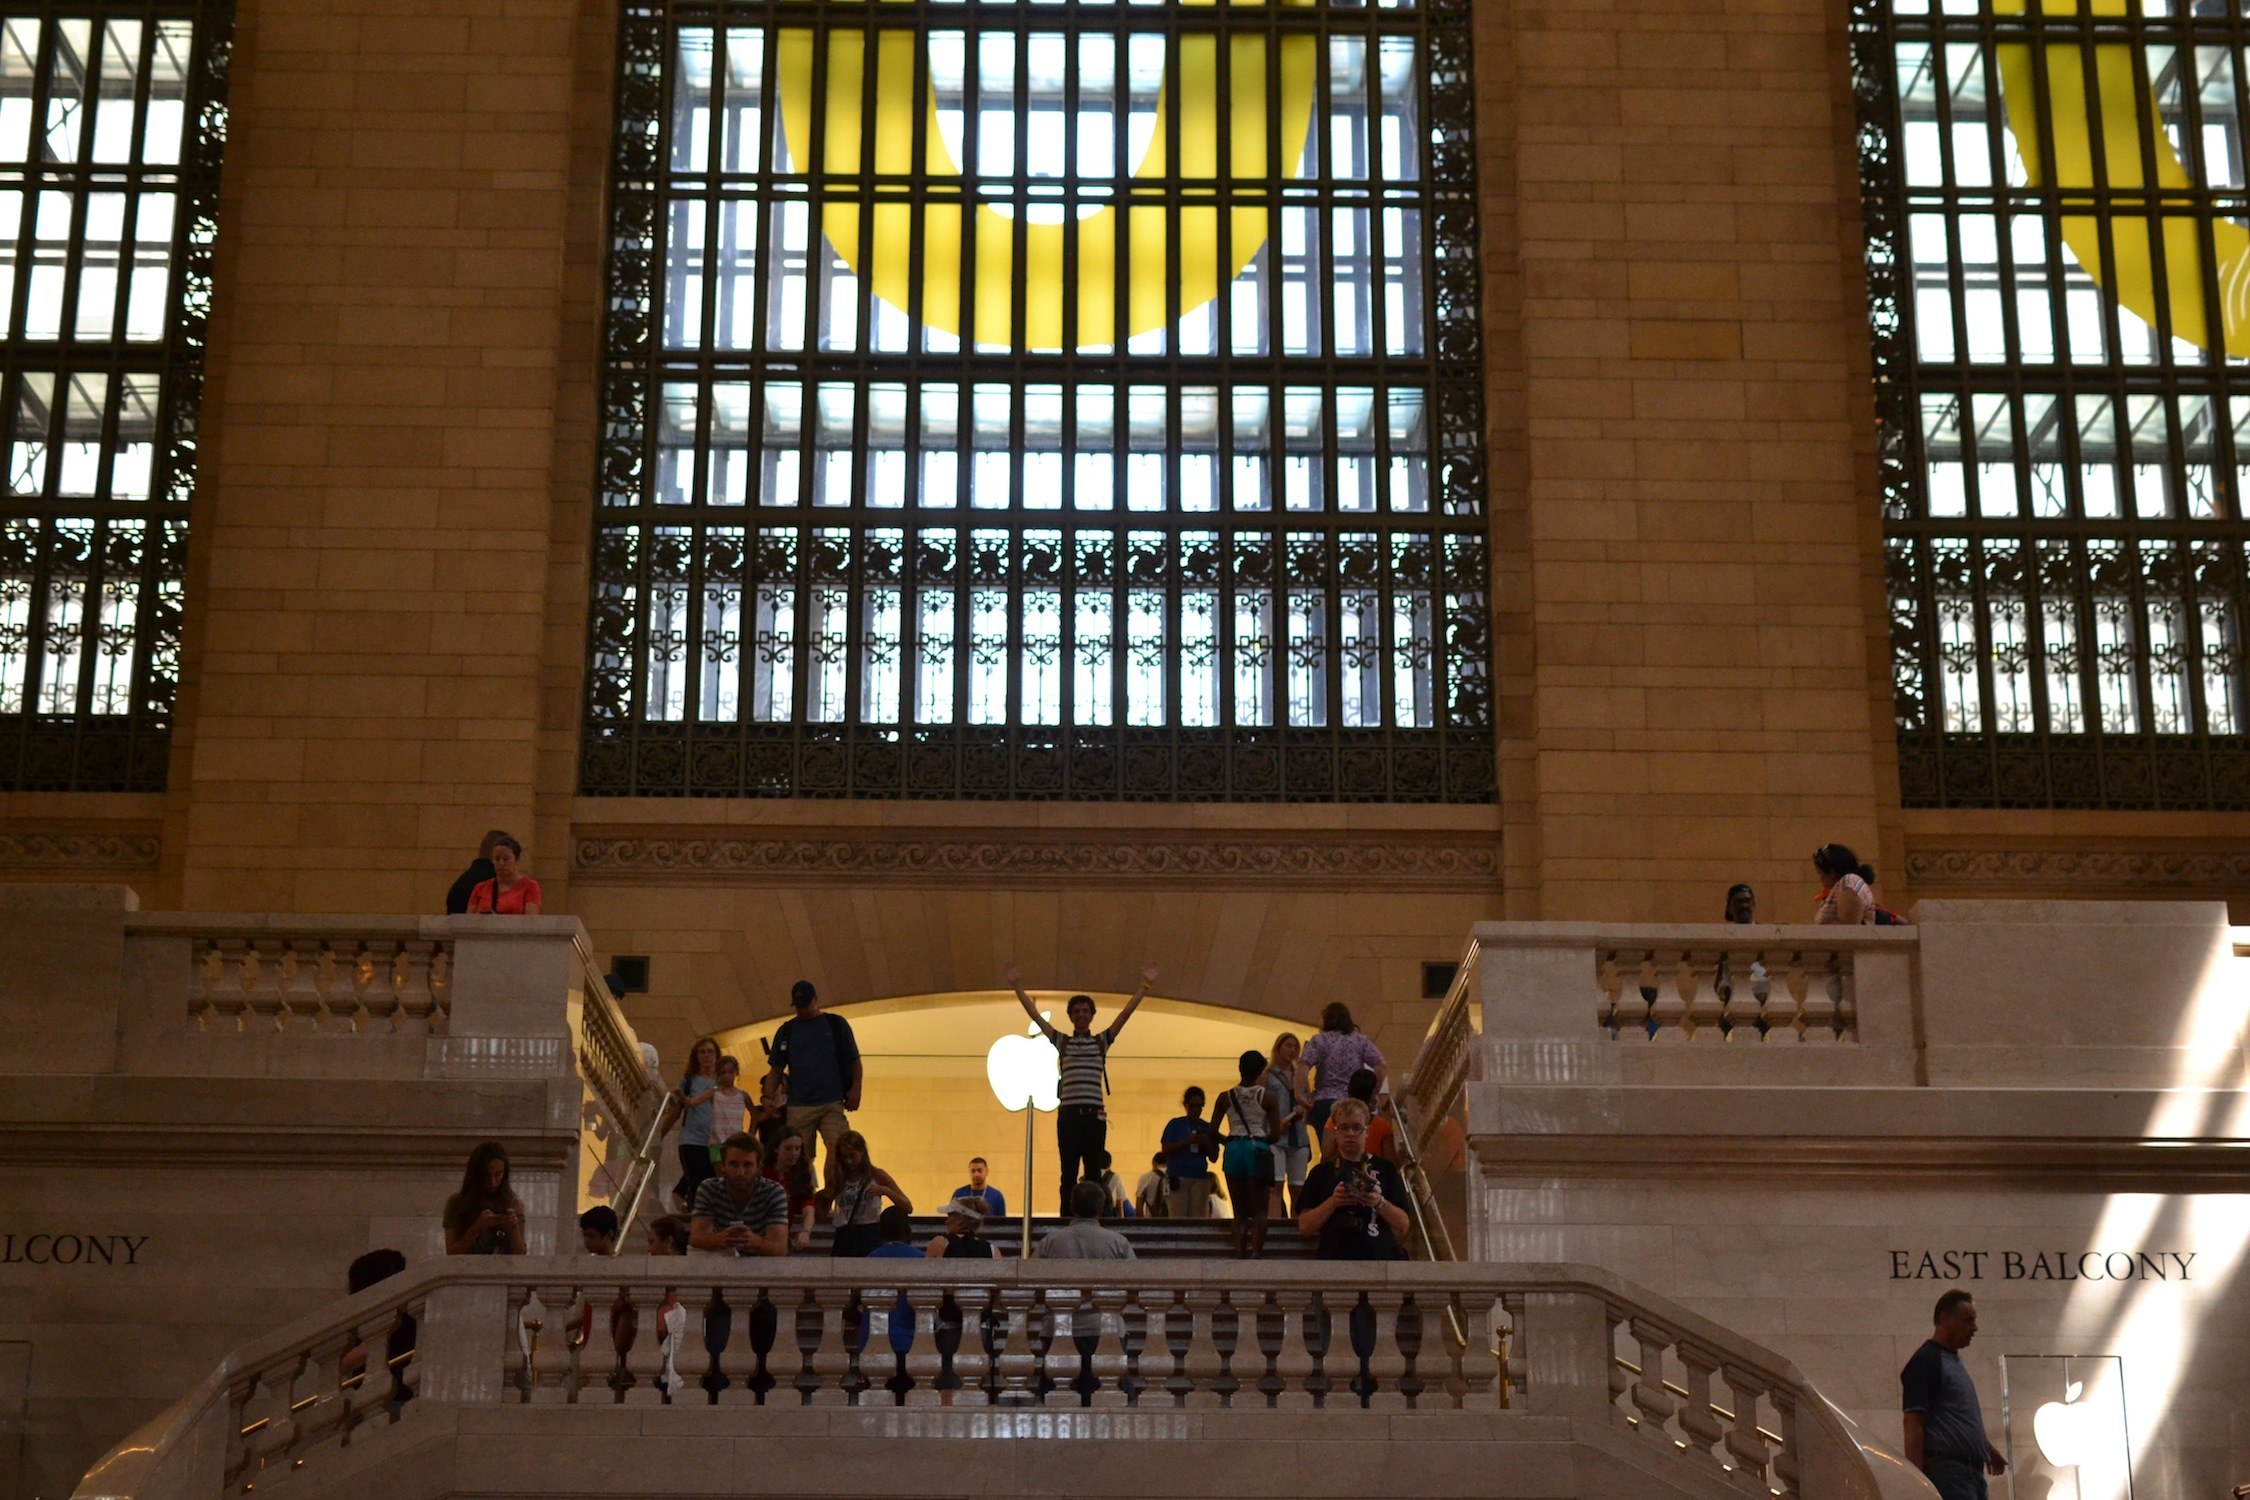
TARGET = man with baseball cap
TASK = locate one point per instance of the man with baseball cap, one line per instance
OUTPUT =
(819, 1058)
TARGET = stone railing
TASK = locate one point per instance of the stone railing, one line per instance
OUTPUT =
(388, 981)
(1683, 1400)
(1586, 1003)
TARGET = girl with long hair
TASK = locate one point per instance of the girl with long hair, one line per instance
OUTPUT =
(1292, 1154)
(786, 1165)
(486, 1216)
(1340, 1050)
(1845, 895)
(856, 1191)
(692, 1099)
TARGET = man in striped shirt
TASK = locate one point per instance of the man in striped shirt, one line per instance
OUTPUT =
(1082, 1113)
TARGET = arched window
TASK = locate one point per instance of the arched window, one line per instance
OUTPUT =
(111, 122)
(2058, 252)
(1071, 398)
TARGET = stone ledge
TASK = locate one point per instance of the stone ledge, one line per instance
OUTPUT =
(92, 852)
(2091, 869)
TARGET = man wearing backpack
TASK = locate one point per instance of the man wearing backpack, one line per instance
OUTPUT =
(819, 1058)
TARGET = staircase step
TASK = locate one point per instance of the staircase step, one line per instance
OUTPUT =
(1152, 1239)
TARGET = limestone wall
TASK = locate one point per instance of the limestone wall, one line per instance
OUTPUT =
(2053, 1114)
(188, 1160)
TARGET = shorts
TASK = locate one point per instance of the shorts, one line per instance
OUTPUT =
(1290, 1163)
(1247, 1158)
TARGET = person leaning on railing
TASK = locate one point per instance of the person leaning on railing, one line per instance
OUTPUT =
(740, 1212)
(510, 892)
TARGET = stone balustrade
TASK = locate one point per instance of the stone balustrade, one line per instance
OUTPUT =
(380, 983)
(1679, 1398)
(1584, 1003)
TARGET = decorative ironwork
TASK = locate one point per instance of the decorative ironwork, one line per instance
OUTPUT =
(2053, 193)
(988, 412)
(112, 124)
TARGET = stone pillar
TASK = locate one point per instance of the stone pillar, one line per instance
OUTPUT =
(62, 970)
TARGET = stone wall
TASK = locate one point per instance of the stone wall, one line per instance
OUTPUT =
(188, 1161)
(2046, 1105)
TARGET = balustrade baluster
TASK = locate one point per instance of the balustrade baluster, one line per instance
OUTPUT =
(377, 985)
(554, 1354)
(1783, 1008)
(411, 978)
(1631, 1013)
(369, 1399)
(261, 987)
(326, 1410)
(1109, 1362)
(1706, 1007)
(1134, 1334)
(1746, 1445)
(441, 989)
(1227, 1340)
(1740, 1011)
(1177, 1327)
(1654, 1403)
(1385, 1360)
(301, 1002)
(981, 1331)
(714, 1326)
(235, 1472)
(1847, 1005)
(1201, 1365)
(827, 1323)
(1697, 1419)
(1515, 1367)
(1821, 989)
(277, 1387)
(1476, 1364)
(1296, 1364)
(526, 1316)
(641, 1375)
(1052, 1325)
(1267, 1328)
(1017, 1368)
(1670, 1012)
(1620, 1379)
(926, 1367)
(1785, 1467)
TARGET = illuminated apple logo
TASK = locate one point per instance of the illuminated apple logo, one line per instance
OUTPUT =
(1023, 1070)
(2084, 1435)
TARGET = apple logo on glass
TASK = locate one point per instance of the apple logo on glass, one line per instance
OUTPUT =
(1023, 1070)
(2075, 1434)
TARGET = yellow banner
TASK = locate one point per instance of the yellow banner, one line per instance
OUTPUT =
(1093, 291)
(2126, 129)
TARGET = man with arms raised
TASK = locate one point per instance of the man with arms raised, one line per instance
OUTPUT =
(1944, 1425)
(1082, 1115)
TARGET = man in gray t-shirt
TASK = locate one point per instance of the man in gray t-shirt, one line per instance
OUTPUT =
(1944, 1423)
(1083, 1238)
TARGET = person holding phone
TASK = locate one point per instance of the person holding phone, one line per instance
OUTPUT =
(1355, 1205)
(486, 1216)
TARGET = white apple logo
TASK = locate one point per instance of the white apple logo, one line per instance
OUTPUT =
(1023, 1070)
(2083, 1435)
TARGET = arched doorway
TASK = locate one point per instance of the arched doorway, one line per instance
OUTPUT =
(927, 1108)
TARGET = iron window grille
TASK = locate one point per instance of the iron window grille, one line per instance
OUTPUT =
(987, 412)
(112, 123)
(2059, 284)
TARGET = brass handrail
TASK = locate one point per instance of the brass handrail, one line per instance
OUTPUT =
(642, 1170)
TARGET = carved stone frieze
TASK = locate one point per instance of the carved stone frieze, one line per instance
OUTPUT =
(2108, 868)
(1345, 861)
(79, 851)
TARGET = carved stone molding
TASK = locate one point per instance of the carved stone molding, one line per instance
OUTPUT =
(1391, 862)
(2106, 868)
(91, 852)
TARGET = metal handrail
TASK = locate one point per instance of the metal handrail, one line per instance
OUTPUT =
(644, 1164)
(1418, 1190)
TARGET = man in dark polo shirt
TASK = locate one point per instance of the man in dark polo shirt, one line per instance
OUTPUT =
(1944, 1424)
(816, 1056)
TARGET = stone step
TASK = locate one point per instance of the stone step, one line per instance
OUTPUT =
(1153, 1239)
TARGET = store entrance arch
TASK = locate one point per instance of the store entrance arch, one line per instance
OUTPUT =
(926, 1108)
